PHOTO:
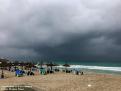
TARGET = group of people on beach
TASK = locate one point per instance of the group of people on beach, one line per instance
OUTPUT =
(42, 70)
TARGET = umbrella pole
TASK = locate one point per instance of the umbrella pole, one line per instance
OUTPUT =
(2, 74)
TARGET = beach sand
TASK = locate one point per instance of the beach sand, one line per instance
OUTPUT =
(65, 82)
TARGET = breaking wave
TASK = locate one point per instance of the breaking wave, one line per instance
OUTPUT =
(96, 67)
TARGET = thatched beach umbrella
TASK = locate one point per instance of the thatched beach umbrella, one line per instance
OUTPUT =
(50, 65)
(3, 64)
(66, 65)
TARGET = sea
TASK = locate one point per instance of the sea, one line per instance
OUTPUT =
(105, 67)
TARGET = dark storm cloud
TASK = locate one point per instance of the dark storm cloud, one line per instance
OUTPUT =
(76, 30)
(75, 48)
(91, 46)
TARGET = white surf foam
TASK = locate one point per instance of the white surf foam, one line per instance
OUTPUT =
(97, 67)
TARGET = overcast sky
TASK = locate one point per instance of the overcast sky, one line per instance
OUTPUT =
(61, 29)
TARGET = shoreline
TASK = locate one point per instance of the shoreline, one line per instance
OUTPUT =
(97, 69)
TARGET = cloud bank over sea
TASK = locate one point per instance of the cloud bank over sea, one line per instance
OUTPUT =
(59, 29)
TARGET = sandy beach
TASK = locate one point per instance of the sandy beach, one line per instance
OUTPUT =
(65, 82)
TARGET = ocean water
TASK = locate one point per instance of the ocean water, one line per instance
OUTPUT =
(106, 67)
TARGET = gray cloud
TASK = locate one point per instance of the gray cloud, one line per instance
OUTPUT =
(81, 29)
